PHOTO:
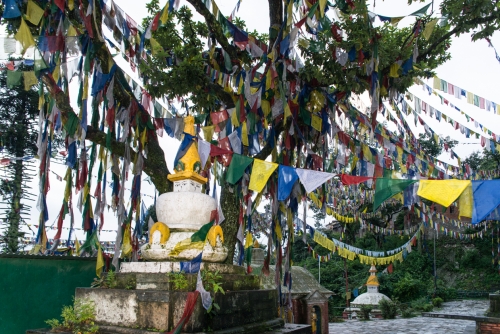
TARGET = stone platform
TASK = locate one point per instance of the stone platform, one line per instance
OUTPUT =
(162, 310)
(154, 275)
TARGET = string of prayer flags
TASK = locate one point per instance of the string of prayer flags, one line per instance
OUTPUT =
(443, 192)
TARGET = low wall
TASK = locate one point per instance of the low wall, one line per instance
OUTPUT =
(35, 288)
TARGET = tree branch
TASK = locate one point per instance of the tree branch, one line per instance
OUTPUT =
(215, 28)
(459, 28)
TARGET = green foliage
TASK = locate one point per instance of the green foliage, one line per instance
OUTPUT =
(388, 308)
(437, 302)
(365, 311)
(78, 318)
(408, 288)
(486, 160)
(107, 281)
(406, 310)
(212, 282)
(434, 148)
(179, 280)
(18, 137)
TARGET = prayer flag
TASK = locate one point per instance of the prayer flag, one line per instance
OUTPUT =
(287, 176)
(486, 199)
(206, 299)
(34, 13)
(196, 241)
(237, 168)
(193, 266)
(261, 172)
(386, 188)
(443, 192)
(312, 179)
(24, 36)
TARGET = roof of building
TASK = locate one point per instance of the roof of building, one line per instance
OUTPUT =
(303, 282)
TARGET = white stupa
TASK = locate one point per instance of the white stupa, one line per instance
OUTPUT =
(372, 297)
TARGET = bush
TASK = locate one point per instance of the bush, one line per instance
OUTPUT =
(437, 302)
(79, 318)
(388, 308)
(427, 307)
(407, 288)
(365, 311)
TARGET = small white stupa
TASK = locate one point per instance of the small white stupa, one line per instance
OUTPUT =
(372, 297)
(184, 211)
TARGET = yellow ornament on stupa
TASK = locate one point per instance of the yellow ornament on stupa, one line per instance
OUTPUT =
(372, 279)
(188, 166)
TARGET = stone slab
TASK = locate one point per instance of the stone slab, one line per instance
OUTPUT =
(167, 267)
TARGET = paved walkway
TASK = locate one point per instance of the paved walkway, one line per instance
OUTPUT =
(418, 325)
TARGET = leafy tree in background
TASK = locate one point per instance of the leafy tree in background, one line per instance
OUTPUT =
(486, 160)
(176, 69)
(18, 134)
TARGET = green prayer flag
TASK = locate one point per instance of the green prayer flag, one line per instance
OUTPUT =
(422, 11)
(237, 167)
(201, 234)
(385, 188)
(14, 78)
(71, 124)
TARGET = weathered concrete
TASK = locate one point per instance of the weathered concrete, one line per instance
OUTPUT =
(162, 309)
(494, 310)
(162, 281)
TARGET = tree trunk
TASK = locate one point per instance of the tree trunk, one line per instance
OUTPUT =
(230, 204)
(275, 20)
(14, 214)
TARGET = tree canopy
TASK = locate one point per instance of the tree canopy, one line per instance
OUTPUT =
(277, 96)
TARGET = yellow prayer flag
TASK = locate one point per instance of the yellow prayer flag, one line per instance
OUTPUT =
(33, 13)
(77, 245)
(208, 131)
(244, 134)
(261, 172)
(322, 5)
(316, 122)
(100, 262)
(465, 202)
(29, 80)
(429, 28)
(24, 36)
(164, 14)
(71, 4)
(155, 46)
(393, 71)
(248, 240)
(443, 192)
(126, 244)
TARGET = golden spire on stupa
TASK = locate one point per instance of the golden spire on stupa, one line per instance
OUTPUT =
(372, 279)
(189, 165)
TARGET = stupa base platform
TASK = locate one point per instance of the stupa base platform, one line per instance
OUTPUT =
(162, 310)
(154, 276)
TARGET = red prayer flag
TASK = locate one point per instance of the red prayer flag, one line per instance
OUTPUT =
(349, 179)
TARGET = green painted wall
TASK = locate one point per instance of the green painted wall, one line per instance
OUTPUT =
(35, 288)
